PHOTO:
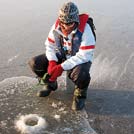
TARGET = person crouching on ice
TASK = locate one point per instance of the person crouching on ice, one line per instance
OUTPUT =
(69, 47)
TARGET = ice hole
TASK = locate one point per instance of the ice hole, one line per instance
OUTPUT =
(31, 121)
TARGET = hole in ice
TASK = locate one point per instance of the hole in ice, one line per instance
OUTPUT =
(31, 121)
(31, 124)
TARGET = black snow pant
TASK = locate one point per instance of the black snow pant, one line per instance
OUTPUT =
(79, 74)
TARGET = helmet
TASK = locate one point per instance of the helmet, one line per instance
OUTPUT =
(69, 13)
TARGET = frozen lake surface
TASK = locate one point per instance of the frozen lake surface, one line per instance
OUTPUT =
(24, 26)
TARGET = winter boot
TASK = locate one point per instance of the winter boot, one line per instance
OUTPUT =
(48, 87)
(79, 99)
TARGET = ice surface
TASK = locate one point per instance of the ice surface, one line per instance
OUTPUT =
(17, 101)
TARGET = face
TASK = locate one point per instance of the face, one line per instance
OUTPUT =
(67, 28)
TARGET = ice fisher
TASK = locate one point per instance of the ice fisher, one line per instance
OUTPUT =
(69, 47)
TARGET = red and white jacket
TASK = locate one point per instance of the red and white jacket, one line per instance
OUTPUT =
(81, 42)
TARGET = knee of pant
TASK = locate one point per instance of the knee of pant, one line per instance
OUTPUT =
(83, 80)
(84, 76)
(31, 63)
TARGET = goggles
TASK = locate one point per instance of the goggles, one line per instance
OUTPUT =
(71, 24)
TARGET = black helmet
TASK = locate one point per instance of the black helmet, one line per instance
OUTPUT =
(69, 13)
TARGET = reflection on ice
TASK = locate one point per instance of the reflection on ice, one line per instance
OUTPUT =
(13, 58)
(112, 73)
(103, 70)
(124, 71)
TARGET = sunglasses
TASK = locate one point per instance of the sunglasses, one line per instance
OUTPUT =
(67, 24)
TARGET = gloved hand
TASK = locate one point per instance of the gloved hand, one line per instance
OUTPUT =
(51, 64)
(56, 72)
